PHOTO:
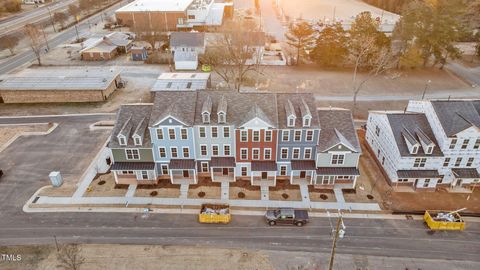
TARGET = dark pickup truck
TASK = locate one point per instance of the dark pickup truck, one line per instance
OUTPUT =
(286, 216)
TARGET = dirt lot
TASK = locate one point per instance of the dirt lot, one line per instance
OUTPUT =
(164, 189)
(321, 195)
(65, 190)
(411, 201)
(251, 192)
(8, 132)
(107, 189)
(283, 187)
(121, 257)
(212, 190)
(325, 82)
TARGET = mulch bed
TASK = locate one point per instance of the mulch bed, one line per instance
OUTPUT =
(244, 184)
(283, 185)
(205, 182)
(320, 190)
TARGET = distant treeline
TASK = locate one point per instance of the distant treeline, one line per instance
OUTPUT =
(395, 6)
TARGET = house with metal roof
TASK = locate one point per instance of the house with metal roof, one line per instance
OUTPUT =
(53, 84)
(171, 81)
(131, 146)
(456, 126)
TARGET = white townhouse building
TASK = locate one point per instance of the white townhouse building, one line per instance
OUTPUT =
(456, 126)
(432, 144)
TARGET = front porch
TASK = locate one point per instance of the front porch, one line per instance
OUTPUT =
(133, 173)
(264, 173)
(336, 177)
(302, 170)
(182, 171)
(222, 169)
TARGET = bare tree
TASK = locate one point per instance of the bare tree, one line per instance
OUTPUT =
(379, 64)
(236, 53)
(34, 36)
(9, 42)
(69, 257)
(61, 18)
(74, 10)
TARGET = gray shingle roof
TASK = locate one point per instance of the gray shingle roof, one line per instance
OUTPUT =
(303, 165)
(417, 127)
(133, 166)
(457, 115)
(297, 101)
(180, 105)
(222, 105)
(131, 118)
(338, 171)
(222, 162)
(181, 164)
(337, 127)
(241, 106)
(259, 166)
(187, 39)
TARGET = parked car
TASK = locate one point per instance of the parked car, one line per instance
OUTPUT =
(287, 216)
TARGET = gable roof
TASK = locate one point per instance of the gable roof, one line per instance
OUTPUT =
(180, 105)
(337, 127)
(132, 119)
(242, 107)
(187, 39)
(175, 81)
(414, 127)
(457, 115)
(305, 100)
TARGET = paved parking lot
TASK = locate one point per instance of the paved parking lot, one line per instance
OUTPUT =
(27, 162)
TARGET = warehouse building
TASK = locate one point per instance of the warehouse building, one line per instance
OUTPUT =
(173, 15)
(45, 85)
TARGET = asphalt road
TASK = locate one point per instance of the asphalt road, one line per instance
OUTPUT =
(16, 22)
(70, 147)
(69, 34)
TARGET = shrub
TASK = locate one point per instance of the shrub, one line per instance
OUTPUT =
(153, 193)
(201, 194)
(101, 183)
(285, 196)
(241, 195)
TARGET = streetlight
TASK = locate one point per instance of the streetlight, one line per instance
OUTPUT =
(425, 90)
(51, 19)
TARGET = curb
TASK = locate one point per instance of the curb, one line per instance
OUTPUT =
(56, 115)
(33, 133)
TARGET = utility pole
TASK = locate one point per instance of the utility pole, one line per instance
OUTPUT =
(76, 30)
(338, 233)
(45, 37)
(425, 90)
(51, 19)
(56, 243)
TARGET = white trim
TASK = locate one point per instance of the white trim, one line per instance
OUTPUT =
(201, 166)
(218, 150)
(183, 151)
(229, 150)
(264, 151)
(241, 132)
(288, 132)
(171, 152)
(265, 135)
(165, 150)
(174, 133)
(294, 135)
(166, 117)
(211, 131)
(200, 133)
(253, 135)
(132, 149)
(306, 135)
(253, 155)
(305, 151)
(241, 149)
(186, 130)
(223, 131)
(120, 138)
(293, 153)
(281, 151)
(206, 150)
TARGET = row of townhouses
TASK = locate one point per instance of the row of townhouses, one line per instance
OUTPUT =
(433, 144)
(231, 136)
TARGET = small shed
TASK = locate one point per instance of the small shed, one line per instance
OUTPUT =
(139, 53)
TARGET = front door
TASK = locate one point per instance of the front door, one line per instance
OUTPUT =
(458, 183)
(186, 174)
(225, 171)
(264, 175)
(303, 174)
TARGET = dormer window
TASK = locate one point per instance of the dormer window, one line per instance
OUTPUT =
(307, 121)
(137, 140)
(122, 140)
(415, 149)
(206, 118)
(291, 121)
(221, 118)
(429, 150)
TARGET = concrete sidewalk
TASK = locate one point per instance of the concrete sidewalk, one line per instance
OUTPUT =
(196, 202)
